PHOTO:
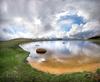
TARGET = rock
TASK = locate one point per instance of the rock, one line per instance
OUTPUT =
(41, 51)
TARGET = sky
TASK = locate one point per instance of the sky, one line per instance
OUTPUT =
(49, 19)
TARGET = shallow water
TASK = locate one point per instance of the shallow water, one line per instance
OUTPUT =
(64, 56)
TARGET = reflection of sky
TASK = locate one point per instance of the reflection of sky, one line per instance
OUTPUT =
(63, 49)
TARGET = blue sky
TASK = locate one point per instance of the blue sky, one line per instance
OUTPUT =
(75, 20)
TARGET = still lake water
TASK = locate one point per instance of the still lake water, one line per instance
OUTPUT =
(63, 56)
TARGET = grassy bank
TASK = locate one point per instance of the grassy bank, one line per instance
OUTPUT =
(95, 41)
(14, 68)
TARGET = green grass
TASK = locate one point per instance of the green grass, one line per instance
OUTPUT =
(96, 41)
(14, 68)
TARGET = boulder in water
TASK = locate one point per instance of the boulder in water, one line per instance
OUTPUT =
(41, 51)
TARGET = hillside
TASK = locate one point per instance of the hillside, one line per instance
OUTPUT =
(95, 37)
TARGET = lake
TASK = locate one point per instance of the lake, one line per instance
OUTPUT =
(63, 56)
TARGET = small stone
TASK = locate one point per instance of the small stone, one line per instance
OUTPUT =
(41, 51)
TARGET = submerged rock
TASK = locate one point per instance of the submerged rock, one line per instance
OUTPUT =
(41, 51)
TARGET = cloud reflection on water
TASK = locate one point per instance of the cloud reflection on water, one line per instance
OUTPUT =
(64, 54)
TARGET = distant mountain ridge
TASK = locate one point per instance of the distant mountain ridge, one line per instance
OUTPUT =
(95, 37)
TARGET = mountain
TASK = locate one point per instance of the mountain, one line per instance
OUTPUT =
(95, 37)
